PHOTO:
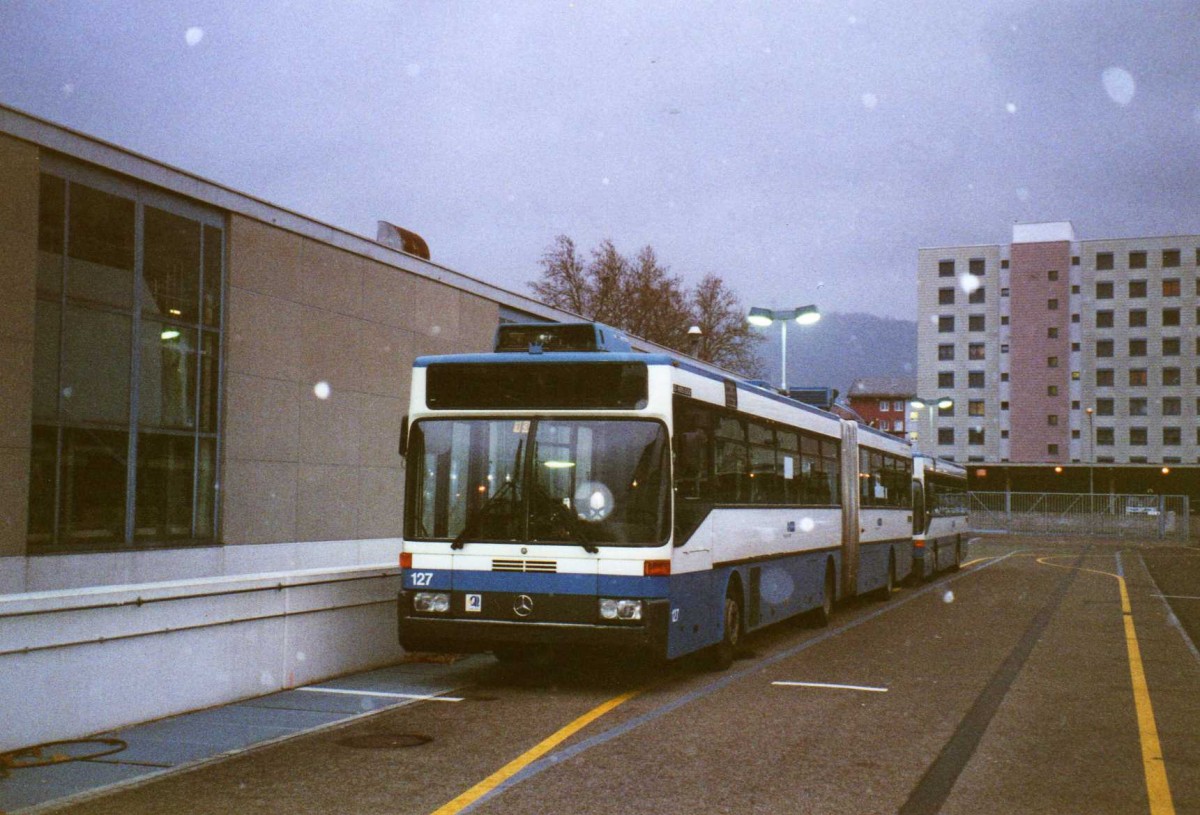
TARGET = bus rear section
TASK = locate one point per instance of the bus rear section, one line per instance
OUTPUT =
(940, 529)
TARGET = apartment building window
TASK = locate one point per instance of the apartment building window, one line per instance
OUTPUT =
(1104, 348)
(1104, 290)
(1052, 449)
(1137, 288)
(945, 436)
(1052, 275)
(975, 436)
(1004, 263)
(946, 296)
(1004, 320)
(975, 322)
(1104, 377)
(946, 268)
(1170, 346)
(884, 424)
(126, 371)
(1051, 362)
(946, 324)
(1052, 304)
(946, 411)
(1137, 260)
(945, 379)
(1076, 347)
(898, 405)
(1170, 317)
(1171, 377)
(1172, 436)
(1004, 292)
(975, 350)
(1075, 318)
(1138, 436)
(977, 296)
(976, 266)
(1052, 333)
(1138, 406)
(1104, 319)
(1137, 318)
(975, 407)
(1137, 347)
(885, 405)
(1105, 436)
(1170, 258)
(975, 379)
(1104, 261)
(1104, 407)
(1171, 287)
(1138, 378)
(1052, 420)
(945, 353)
(1004, 405)
(1052, 390)
(1004, 348)
(1172, 406)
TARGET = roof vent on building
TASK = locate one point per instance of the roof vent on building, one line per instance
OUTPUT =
(399, 238)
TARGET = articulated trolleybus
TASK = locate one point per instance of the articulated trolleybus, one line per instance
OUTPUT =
(565, 492)
(939, 504)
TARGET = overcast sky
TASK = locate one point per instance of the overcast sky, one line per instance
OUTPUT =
(802, 150)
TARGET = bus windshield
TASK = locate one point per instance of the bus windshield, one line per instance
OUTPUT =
(580, 481)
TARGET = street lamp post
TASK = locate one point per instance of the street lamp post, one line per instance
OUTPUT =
(763, 317)
(1091, 414)
(942, 402)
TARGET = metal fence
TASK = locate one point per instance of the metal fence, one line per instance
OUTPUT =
(1161, 517)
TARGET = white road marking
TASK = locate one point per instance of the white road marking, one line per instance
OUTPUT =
(827, 685)
(384, 694)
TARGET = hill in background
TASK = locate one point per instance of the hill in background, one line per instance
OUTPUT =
(842, 348)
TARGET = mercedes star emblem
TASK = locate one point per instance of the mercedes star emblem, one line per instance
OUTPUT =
(523, 605)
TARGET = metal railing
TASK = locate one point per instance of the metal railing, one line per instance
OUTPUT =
(1160, 517)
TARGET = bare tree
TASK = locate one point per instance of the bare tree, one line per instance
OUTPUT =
(642, 297)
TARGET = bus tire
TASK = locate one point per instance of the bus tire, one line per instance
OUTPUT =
(724, 651)
(824, 612)
(889, 586)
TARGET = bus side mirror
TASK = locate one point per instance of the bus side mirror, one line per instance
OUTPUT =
(403, 448)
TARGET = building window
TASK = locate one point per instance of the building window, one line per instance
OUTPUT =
(975, 407)
(127, 348)
(1104, 261)
(1004, 348)
(885, 405)
(976, 266)
(1052, 390)
(1004, 320)
(975, 350)
(975, 322)
(1138, 436)
(945, 435)
(977, 296)
(1052, 304)
(946, 324)
(1004, 292)
(1138, 406)
(1171, 377)
(884, 424)
(1104, 407)
(945, 379)
(1170, 258)
(1104, 290)
(1004, 263)
(1137, 288)
(1104, 377)
(898, 406)
(1171, 287)
(946, 268)
(1075, 290)
(1137, 348)
(1172, 406)
(1104, 319)
(946, 411)
(1172, 436)
(1052, 420)
(1170, 346)
(1105, 436)
(1137, 318)
(1052, 333)
(1004, 405)
(1104, 348)
(975, 379)
(975, 436)
(1076, 347)
(1170, 316)
(1052, 449)
(1137, 377)
(1137, 260)
(1051, 362)
(1052, 275)
(946, 296)
(945, 353)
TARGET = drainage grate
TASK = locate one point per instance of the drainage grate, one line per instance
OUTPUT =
(384, 741)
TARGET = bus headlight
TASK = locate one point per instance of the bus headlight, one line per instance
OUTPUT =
(620, 609)
(431, 602)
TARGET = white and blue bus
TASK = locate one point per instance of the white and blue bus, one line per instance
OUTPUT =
(565, 492)
(940, 529)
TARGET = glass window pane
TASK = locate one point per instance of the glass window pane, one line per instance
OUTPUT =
(171, 266)
(95, 371)
(209, 360)
(93, 486)
(213, 257)
(45, 360)
(167, 397)
(100, 247)
(206, 473)
(41, 485)
(52, 213)
(164, 487)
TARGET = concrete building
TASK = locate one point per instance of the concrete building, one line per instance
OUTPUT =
(1060, 351)
(200, 492)
(882, 402)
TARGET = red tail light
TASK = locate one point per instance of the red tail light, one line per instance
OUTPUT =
(657, 568)
(406, 560)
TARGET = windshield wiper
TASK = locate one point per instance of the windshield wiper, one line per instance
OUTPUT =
(574, 527)
(472, 526)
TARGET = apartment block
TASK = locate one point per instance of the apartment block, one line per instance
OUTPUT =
(1056, 350)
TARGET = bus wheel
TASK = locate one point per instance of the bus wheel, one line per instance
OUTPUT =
(731, 636)
(889, 586)
(824, 613)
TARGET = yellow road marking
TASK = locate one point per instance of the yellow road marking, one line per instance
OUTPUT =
(1153, 764)
(529, 756)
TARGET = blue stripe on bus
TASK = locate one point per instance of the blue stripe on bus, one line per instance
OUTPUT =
(534, 583)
